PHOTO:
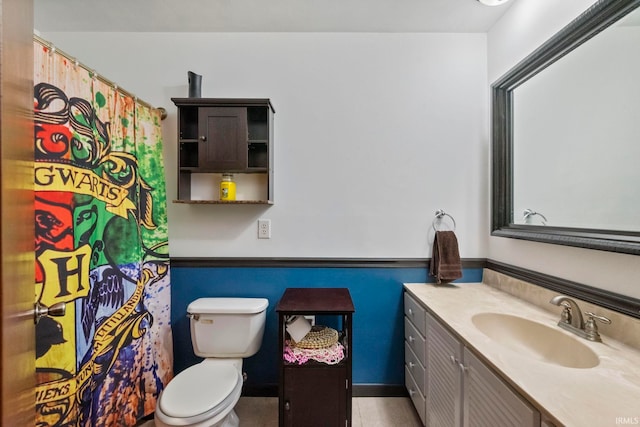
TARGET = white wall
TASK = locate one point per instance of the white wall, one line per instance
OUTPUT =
(525, 26)
(373, 134)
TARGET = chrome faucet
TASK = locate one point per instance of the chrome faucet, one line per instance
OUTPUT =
(571, 319)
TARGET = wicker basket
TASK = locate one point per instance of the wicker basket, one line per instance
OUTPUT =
(318, 337)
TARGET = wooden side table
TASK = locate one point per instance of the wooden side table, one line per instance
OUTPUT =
(315, 393)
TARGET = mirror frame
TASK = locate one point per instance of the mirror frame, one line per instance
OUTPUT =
(590, 23)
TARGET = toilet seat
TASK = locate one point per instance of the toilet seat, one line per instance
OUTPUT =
(201, 392)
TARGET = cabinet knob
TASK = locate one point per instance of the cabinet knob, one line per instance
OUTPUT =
(287, 406)
(410, 312)
(203, 138)
(411, 339)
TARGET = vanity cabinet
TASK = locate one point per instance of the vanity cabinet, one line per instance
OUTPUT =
(449, 385)
(217, 136)
(316, 394)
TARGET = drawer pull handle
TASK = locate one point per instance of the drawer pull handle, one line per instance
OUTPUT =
(457, 362)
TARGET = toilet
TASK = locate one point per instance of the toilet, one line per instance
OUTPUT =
(224, 331)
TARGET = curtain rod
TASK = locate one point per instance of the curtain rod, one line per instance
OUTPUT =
(49, 45)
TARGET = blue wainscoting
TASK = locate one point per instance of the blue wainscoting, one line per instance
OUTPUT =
(378, 328)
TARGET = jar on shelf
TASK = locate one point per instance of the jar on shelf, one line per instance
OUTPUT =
(227, 187)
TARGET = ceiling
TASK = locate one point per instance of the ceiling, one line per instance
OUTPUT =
(459, 16)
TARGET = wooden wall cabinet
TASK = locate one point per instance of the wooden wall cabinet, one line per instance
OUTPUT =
(316, 394)
(224, 136)
(449, 385)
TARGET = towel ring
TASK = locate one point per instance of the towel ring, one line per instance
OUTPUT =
(439, 215)
(528, 213)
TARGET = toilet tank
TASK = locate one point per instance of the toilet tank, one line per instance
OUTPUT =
(227, 327)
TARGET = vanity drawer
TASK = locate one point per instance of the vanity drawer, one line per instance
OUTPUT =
(416, 397)
(414, 366)
(414, 340)
(416, 313)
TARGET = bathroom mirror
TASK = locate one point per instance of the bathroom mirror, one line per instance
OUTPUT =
(566, 136)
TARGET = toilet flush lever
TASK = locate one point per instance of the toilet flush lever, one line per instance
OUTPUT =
(193, 316)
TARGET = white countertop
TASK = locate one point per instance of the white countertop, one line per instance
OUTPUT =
(606, 395)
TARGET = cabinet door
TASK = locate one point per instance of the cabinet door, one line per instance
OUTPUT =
(315, 396)
(489, 402)
(444, 378)
(223, 139)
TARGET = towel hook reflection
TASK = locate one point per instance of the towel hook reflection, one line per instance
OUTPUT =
(439, 215)
(528, 213)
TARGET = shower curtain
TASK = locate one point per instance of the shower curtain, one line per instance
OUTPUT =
(101, 248)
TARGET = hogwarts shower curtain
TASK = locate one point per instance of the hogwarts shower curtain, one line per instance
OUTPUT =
(101, 248)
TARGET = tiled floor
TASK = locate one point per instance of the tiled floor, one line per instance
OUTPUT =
(367, 412)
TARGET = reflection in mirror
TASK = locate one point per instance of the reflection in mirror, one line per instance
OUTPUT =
(566, 136)
(576, 136)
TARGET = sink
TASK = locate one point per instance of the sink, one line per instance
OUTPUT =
(536, 340)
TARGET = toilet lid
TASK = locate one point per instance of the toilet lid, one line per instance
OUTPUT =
(198, 389)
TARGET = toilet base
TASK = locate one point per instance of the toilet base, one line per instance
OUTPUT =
(231, 420)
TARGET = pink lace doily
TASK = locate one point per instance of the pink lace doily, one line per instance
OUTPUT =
(330, 355)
